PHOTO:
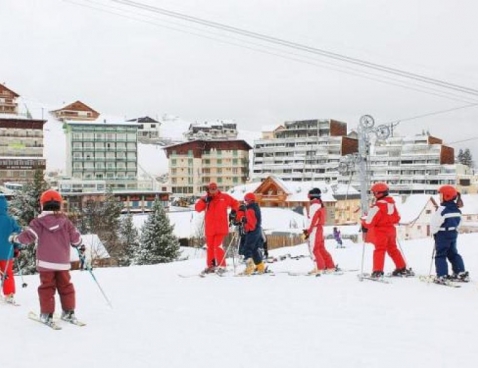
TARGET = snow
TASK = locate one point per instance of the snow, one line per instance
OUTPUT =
(161, 320)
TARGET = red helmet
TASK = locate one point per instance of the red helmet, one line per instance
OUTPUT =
(50, 196)
(379, 188)
(448, 192)
(249, 197)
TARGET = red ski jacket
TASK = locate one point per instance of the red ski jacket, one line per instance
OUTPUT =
(216, 217)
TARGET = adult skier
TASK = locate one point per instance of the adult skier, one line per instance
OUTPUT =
(215, 205)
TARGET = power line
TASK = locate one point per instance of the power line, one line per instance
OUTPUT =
(283, 54)
(297, 46)
(433, 113)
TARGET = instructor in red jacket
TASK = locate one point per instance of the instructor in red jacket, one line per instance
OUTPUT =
(216, 203)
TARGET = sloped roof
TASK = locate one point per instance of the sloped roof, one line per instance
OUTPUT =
(77, 106)
(5, 88)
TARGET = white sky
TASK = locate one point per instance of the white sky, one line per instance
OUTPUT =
(58, 52)
(160, 319)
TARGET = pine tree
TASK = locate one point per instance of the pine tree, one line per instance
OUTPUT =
(103, 219)
(25, 206)
(129, 238)
(459, 158)
(467, 159)
(158, 244)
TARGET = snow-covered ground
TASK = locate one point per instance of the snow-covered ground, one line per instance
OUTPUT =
(161, 320)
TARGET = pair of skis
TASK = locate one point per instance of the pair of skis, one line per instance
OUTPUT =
(428, 279)
(53, 324)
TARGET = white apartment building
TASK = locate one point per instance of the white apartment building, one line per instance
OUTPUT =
(148, 129)
(412, 165)
(303, 151)
(103, 151)
(212, 130)
(312, 150)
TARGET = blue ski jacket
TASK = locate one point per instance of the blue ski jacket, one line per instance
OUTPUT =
(8, 226)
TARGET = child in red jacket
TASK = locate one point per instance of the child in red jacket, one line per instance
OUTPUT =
(380, 224)
(53, 233)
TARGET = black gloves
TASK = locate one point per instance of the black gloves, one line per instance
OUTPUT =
(243, 208)
(305, 234)
(207, 198)
(243, 219)
(232, 216)
(364, 229)
(81, 249)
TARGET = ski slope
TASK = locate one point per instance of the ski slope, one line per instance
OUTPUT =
(161, 320)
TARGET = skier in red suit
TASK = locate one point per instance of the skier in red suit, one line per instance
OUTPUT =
(380, 226)
(215, 204)
(315, 234)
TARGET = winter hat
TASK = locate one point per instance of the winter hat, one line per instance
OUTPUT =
(250, 197)
(212, 186)
(314, 193)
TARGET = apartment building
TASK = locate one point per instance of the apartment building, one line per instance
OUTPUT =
(148, 129)
(8, 100)
(76, 111)
(303, 150)
(212, 130)
(194, 164)
(21, 141)
(103, 151)
(413, 164)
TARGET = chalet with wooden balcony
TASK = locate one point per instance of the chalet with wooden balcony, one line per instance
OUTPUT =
(76, 111)
(8, 100)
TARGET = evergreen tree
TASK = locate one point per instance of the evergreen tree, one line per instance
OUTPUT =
(103, 219)
(467, 158)
(158, 244)
(25, 206)
(129, 238)
(459, 158)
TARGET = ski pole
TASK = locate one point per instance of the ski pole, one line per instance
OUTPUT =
(94, 278)
(431, 261)
(24, 284)
(403, 253)
(225, 252)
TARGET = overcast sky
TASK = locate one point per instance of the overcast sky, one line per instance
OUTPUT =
(142, 63)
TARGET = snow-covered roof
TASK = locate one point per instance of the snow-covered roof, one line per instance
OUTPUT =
(410, 207)
(94, 248)
(239, 191)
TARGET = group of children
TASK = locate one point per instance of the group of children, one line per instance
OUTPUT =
(53, 234)
(378, 226)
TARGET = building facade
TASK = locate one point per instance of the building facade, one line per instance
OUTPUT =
(103, 151)
(303, 151)
(411, 165)
(148, 129)
(8, 101)
(21, 149)
(194, 164)
(76, 111)
(212, 130)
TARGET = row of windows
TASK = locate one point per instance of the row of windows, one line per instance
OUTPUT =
(90, 145)
(101, 165)
(104, 176)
